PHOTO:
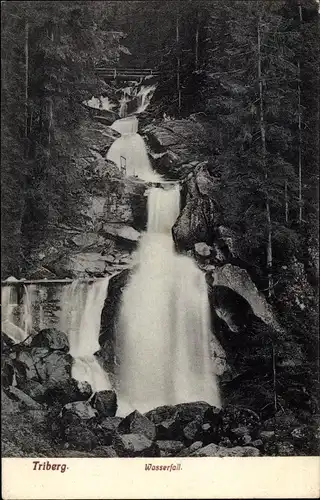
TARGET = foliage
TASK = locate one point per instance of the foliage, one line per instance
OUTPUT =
(49, 54)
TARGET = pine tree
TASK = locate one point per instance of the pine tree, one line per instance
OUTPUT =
(49, 70)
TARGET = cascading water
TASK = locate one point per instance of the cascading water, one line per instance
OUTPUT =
(15, 323)
(129, 151)
(164, 323)
(81, 307)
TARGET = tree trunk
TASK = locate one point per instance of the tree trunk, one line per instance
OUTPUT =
(178, 63)
(300, 132)
(26, 85)
(264, 154)
(274, 378)
(197, 43)
(286, 201)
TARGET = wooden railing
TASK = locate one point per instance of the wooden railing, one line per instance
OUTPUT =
(110, 73)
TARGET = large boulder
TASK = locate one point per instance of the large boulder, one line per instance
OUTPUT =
(187, 452)
(122, 231)
(195, 223)
(105, 403)
(106, 429)
(67, 391)
(109, 315)
(81, 264)
(179, 137)
(25, 400)
(75, 413)
(80, 436)
(88, 240)
(135, 445)
(238, 280)
(136, 423)
(170, 421)
(170, 448)
(52, 339)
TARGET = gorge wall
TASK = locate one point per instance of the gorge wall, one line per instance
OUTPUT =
(253, 342)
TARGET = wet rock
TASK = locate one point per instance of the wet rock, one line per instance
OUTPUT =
(107, 429)
(9, 405)
(161, 414)
(80, 264)
(187, 452)
(88, 240)
(207, 184)
(195, 223)
(80, 436)
(244, 440)
(121, 231)
(213, 450)
(6, 343)
(105, 403)
(213, 415)
(168, 429)
(35, 390)
(57, 368)
(7, 372)
(52, 339)
(170, 448)
(34, 360)
(267, 435)
(67, 391)
(171, 420)
(175, 136)
(109, 315)
(136, 423)
(239, 281)
(192, 430)
(202, 249)
(258, 443)
(190, 411)
(74, 413)
(23, 398)
(209, 434)
(135, 445)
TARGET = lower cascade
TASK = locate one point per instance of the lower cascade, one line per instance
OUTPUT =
(82, 304)
(164, 324)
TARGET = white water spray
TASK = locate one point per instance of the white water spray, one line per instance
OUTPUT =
(164, 324)
(81, 308)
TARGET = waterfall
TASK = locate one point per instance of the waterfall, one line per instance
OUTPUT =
(29, 299)
(16, 323)
(81, 307)
(129, 151)
(164, 324)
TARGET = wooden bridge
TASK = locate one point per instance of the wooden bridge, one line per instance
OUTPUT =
(126, 74)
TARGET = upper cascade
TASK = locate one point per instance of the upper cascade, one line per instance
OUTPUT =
(129, 152)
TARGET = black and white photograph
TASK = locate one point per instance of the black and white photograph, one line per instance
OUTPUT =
(160, 245)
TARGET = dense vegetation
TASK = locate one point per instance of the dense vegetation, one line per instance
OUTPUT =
(250, 70)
